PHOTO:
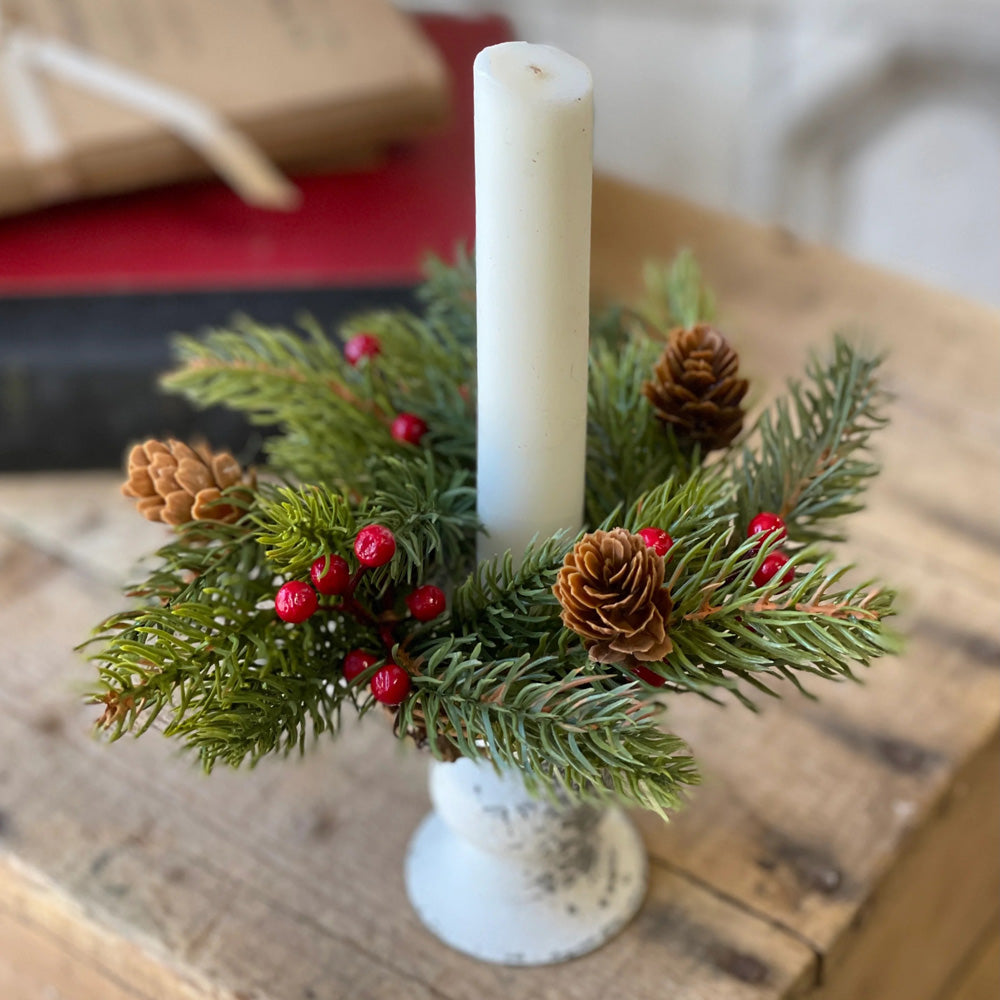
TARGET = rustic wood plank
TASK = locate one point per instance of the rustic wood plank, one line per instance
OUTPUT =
(50, 949)
(928, 898)
(806, 806)
(50, 968)
(980, 978)
(69, 516)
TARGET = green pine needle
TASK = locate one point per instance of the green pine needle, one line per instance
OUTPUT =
(628, 449)
(676, 294)
(506, 607)
(813, 460)
(574, 733)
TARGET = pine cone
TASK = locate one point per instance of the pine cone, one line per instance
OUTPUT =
(611, 590)
(175, 484)
(695, 387)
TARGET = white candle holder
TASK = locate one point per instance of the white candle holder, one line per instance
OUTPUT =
(512, 879)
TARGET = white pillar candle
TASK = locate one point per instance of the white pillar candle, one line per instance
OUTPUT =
(534, 168)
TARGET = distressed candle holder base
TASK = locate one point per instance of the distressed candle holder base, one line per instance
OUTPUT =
(512, 879)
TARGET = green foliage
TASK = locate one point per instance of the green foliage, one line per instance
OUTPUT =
(510, 608)
(431, 509)
(207, 650)
(575, 732)
(689, 507)
(432, 515)
(628, 449)
(298, 525)
(726, 630)
(813, 459)
(423, 368)
(331, 417)
(676, 294)
(204, 657)
(449, 295)
(300, 385)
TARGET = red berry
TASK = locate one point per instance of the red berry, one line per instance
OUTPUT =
(408, 428)
(362, 345)
(657, 539)
(770, 568)
(391, 684)
(766, 524)
(426, 602)
(331, 575)
(647, 675)
(374, 545)
(295, 601)
(357, 662)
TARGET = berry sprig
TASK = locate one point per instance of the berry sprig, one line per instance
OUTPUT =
(357, 662)
(771, 567)
(390, 684)
(763, 527)
(406, 428)
(331, 576)
(766, 524)
(374, 546)
(361, 346)
(646, 675)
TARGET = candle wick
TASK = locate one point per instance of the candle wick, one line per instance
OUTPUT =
(537, 70)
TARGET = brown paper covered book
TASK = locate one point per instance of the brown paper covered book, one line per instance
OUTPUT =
(311, 82)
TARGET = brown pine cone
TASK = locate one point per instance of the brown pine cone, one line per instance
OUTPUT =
(695, 387)
(611, 590)
(175, 483)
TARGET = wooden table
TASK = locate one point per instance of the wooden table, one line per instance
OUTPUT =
(846, 849)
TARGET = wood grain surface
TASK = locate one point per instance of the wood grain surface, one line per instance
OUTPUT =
(838, 849)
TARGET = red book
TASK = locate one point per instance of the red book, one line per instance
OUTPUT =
(89, 292)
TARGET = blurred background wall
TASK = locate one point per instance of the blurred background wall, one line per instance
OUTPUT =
(873, 125)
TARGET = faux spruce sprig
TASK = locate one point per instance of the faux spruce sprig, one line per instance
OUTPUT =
(346, 577)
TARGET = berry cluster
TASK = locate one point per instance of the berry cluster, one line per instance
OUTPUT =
(766, 524)
(407, 428)
(331, 576)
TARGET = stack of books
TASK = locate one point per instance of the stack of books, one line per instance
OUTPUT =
(90, 291)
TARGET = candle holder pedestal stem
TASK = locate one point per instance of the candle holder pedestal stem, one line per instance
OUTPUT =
(512, 879)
